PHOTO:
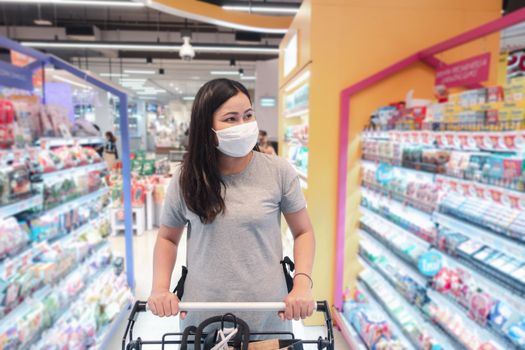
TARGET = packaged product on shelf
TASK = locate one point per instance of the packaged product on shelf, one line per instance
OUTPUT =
(14, 182)
(7, 120)
(12, 237)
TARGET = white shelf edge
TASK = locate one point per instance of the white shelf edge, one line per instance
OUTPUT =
(376, 305)
(20, 206)
(73, 171)
(416, 314)
(348, 332)
(486, 237)
(398, 228)
(406, 268)
(77, 202)
(113, 326)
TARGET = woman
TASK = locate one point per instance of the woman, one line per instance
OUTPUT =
(110, 150)
(264, 145)
(233, 213)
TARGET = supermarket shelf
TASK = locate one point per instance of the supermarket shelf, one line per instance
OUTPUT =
(296, 113)
(487, 284)
(20, 206)
(387, 222)
(499, 242)
(429, 177)
(409, 269)
(483, 279)
(77, 202)
(446, 340)
(353, 340)
(419, 217)
(376, 304)
(74, 171)
(50, 142)
(10, 318)
(482, 332)
(109, 331)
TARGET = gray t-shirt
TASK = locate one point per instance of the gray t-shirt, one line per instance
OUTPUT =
(236, 258)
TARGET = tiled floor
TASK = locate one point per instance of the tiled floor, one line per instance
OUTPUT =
(151, 327)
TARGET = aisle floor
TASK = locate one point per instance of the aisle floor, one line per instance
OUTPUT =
(152, 327)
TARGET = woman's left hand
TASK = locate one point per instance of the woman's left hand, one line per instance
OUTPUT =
(300, 302)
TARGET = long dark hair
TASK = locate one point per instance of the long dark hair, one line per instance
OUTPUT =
(200, 178)
(110, 136)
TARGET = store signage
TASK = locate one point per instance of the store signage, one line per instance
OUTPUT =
(470, 71)
(384, 173)
(15, 77)
(430, 264)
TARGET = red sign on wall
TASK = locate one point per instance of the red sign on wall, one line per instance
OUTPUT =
(470, 71)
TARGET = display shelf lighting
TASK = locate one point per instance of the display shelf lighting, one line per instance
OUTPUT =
(248, 77)
(102, 3)
(188, 98)
(224, 72)
(289, 9)
(65, 80)
(269, 50)
(114, 75)
(133, 71)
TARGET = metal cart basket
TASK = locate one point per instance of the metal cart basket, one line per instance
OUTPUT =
(128, 343)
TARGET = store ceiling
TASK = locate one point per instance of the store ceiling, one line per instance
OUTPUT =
(137, 25)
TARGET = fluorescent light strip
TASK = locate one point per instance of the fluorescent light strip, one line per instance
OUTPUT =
(78, 2)
(152, 47)
(264, 9)
(298, 81)
(188, 98)
(224, 72)
(245, 77)
(113, 75)
(72, 82)
(130, 71)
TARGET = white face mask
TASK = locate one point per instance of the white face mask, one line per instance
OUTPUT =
(237, 141)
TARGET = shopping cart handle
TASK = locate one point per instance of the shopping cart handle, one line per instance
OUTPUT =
(142, 306)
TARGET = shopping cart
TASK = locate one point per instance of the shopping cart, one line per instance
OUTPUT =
(128, 343)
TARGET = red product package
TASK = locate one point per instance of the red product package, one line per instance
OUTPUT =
(7, 120)
(495, 94)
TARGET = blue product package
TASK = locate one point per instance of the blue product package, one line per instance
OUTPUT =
(516, 333)
(499, 315)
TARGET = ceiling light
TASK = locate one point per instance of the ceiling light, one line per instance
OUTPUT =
(149, 98)
(248, 77)
(139, 71)
(132, 79)
(79, 2)
(188, 98)
(113, 75)
(224, 72)
(298, 81)
(262, 9)
(262, 50)
(146, 92)
(195, 78)
(65, 80)
(42, 22)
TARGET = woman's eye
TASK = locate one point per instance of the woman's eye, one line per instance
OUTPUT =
(248, 116)
(229, 120)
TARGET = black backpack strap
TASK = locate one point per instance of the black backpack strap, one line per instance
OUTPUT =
(185, 335)
(179, 289)
(288, 268)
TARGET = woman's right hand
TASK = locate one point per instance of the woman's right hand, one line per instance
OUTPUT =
(164, 304)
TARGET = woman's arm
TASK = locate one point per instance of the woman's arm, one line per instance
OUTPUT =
(300, 303)
(162, 302)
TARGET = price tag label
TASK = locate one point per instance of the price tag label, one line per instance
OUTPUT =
(496, 195)
(479, 139)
